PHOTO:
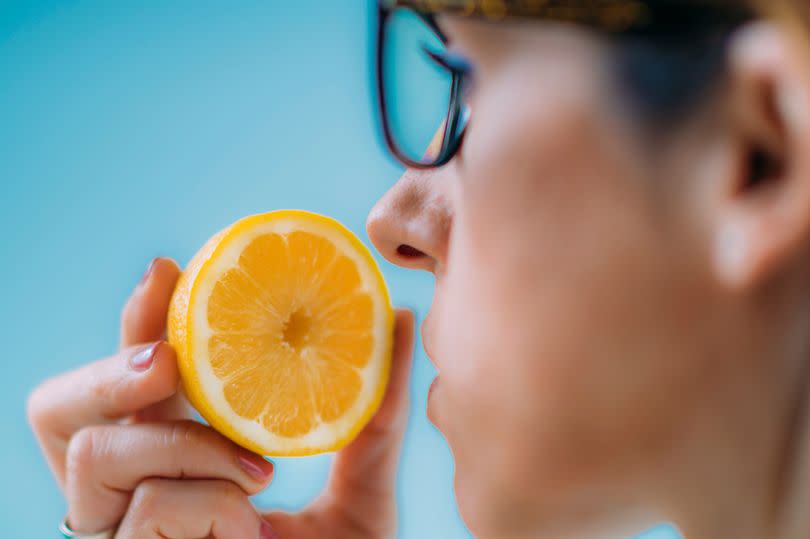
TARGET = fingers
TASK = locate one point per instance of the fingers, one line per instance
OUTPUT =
(144, 320)
(100, 393)
(106, 463)
(363, 474)
(392, 416)
(144, 316)
(171, 509)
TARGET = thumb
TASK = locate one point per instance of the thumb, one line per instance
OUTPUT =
(364, 472)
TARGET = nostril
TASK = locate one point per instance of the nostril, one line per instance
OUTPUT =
(409, 252)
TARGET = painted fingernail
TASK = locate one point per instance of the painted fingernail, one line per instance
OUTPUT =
(148, 271)
(255, 466)
(144, 359)
(266, 531)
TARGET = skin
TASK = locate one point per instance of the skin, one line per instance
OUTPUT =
(121, 444)
(620, 323)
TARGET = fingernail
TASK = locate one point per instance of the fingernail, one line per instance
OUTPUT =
(255, 466)
(148, 271)
(266, 531)
(144, 359)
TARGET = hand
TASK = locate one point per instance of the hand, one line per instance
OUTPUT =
(119, 441)
(118, 437)
(359, 499)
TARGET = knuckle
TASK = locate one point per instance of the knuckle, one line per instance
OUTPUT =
(37, 406)
(82, 451)
(101, 390)
(184, 437)
(186, 434)
(41, 407)
(111, 386)
(233, 500)
(147, 495)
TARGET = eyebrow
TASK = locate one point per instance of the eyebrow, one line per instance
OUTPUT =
(615, 16)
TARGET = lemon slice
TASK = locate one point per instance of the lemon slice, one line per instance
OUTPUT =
(283, 328)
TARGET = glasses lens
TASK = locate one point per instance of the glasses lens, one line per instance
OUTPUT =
(416, 89)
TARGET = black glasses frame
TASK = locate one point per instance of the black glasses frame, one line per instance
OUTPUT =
(611, 16)
(451, 135)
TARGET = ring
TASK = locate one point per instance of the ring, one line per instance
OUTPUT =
(67, 533)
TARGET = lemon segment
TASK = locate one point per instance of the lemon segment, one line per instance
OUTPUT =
(283, 328)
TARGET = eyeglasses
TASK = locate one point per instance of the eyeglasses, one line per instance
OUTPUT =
(422, 85)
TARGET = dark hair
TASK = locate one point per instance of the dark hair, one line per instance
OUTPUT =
(667, 68)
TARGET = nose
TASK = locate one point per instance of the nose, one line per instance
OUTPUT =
(410, 224)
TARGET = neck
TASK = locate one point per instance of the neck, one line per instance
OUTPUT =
(792, 517)
(754, 483)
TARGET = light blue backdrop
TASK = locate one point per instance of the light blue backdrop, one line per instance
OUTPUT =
(131, 129)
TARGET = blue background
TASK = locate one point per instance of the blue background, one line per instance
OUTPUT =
(132, 129)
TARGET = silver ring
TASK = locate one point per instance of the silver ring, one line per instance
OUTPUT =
(67, 533)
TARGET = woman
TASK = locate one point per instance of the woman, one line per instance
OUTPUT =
(617, 214)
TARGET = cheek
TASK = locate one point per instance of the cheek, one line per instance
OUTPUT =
(557, 306)
(538, 191)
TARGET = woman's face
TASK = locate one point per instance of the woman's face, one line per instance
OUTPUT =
(566, 285)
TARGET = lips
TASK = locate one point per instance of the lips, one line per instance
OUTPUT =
(431, 412)
(432, 387)
(427, 343)
(427, 338)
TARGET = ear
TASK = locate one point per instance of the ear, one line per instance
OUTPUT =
(763, 220)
